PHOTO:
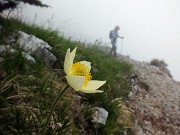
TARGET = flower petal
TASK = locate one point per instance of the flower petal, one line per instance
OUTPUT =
(76, 82)
(93, 85)
(86, 63)
(72, 55)
(92, 91)
(67, 62)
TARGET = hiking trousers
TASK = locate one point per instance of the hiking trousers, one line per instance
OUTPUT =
(113, 49)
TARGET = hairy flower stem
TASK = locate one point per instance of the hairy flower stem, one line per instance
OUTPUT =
(52, 109)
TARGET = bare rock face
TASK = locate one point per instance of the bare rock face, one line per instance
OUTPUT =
(154, 100)
(36, 47)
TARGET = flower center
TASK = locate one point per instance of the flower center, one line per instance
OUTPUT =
(79, 69)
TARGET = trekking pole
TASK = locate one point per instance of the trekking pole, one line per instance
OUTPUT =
(121, 47)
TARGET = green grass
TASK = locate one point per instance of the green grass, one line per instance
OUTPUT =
(35, 85)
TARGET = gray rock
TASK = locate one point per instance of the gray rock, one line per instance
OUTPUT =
(36, 47)
(4, 48)
(99, 115)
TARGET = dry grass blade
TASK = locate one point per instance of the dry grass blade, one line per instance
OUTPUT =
(22, 95)
(6, 84)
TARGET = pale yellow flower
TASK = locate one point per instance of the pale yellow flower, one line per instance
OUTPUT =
(78, 74)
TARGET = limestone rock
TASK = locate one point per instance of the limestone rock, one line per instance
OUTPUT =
(99, 115)
(36, 47)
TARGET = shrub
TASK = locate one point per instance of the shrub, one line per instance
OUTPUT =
(158, 63)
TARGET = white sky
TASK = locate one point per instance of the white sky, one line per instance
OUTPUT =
(151, 27)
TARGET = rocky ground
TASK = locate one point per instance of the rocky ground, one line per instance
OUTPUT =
(154, 100)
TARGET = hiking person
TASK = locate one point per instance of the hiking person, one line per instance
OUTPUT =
(113, 35)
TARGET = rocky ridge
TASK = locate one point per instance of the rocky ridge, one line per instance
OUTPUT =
(154, 100)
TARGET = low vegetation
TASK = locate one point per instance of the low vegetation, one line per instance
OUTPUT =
(29, 89)
(158, 63)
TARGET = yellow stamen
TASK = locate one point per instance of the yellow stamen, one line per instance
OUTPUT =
(79, 69)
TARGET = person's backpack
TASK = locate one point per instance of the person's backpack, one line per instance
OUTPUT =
(110, 34)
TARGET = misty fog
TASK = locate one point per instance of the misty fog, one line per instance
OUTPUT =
(151, 28)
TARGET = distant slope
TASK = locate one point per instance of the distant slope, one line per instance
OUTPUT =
(156, 102)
